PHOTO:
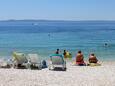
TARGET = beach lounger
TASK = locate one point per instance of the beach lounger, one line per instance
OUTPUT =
(57, 60)
(19, 60)
(34, 61)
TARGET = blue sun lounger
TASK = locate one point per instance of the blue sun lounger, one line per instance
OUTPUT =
(57, 60)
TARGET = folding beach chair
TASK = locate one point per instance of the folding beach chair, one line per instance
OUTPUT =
(57, 61)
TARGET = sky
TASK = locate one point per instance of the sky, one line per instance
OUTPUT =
(57, 9)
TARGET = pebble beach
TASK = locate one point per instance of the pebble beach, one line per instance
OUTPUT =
(103, 75)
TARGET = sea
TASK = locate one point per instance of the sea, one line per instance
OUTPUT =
(45, 36)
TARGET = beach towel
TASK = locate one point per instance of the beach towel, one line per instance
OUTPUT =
(79, 63)
(93, 64)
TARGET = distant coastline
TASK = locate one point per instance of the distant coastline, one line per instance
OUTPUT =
(45, 20)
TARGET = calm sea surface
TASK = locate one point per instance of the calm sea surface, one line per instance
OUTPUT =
(44, 37)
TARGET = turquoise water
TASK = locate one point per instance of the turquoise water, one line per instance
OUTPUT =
(44, 37)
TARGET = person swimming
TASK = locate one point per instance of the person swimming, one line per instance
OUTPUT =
(49, 34)
(105, 44)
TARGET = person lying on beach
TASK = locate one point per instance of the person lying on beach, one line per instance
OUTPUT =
(92, 58)
(80, 59)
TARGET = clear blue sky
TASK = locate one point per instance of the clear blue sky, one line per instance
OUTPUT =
(58, 9)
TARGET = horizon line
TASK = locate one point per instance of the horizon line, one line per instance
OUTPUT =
(51, 20)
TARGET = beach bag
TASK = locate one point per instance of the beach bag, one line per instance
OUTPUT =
(44, 64)
(74, 63)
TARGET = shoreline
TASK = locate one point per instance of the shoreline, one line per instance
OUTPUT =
(103, 75)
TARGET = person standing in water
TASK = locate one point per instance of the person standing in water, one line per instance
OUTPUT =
(67, 54)
(64, 53)
(57, 51)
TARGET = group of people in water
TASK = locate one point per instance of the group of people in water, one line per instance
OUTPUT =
(66, 54)
(79, 57)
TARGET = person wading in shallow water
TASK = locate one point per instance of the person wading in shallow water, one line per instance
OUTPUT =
(64, 53)
(57, 51)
